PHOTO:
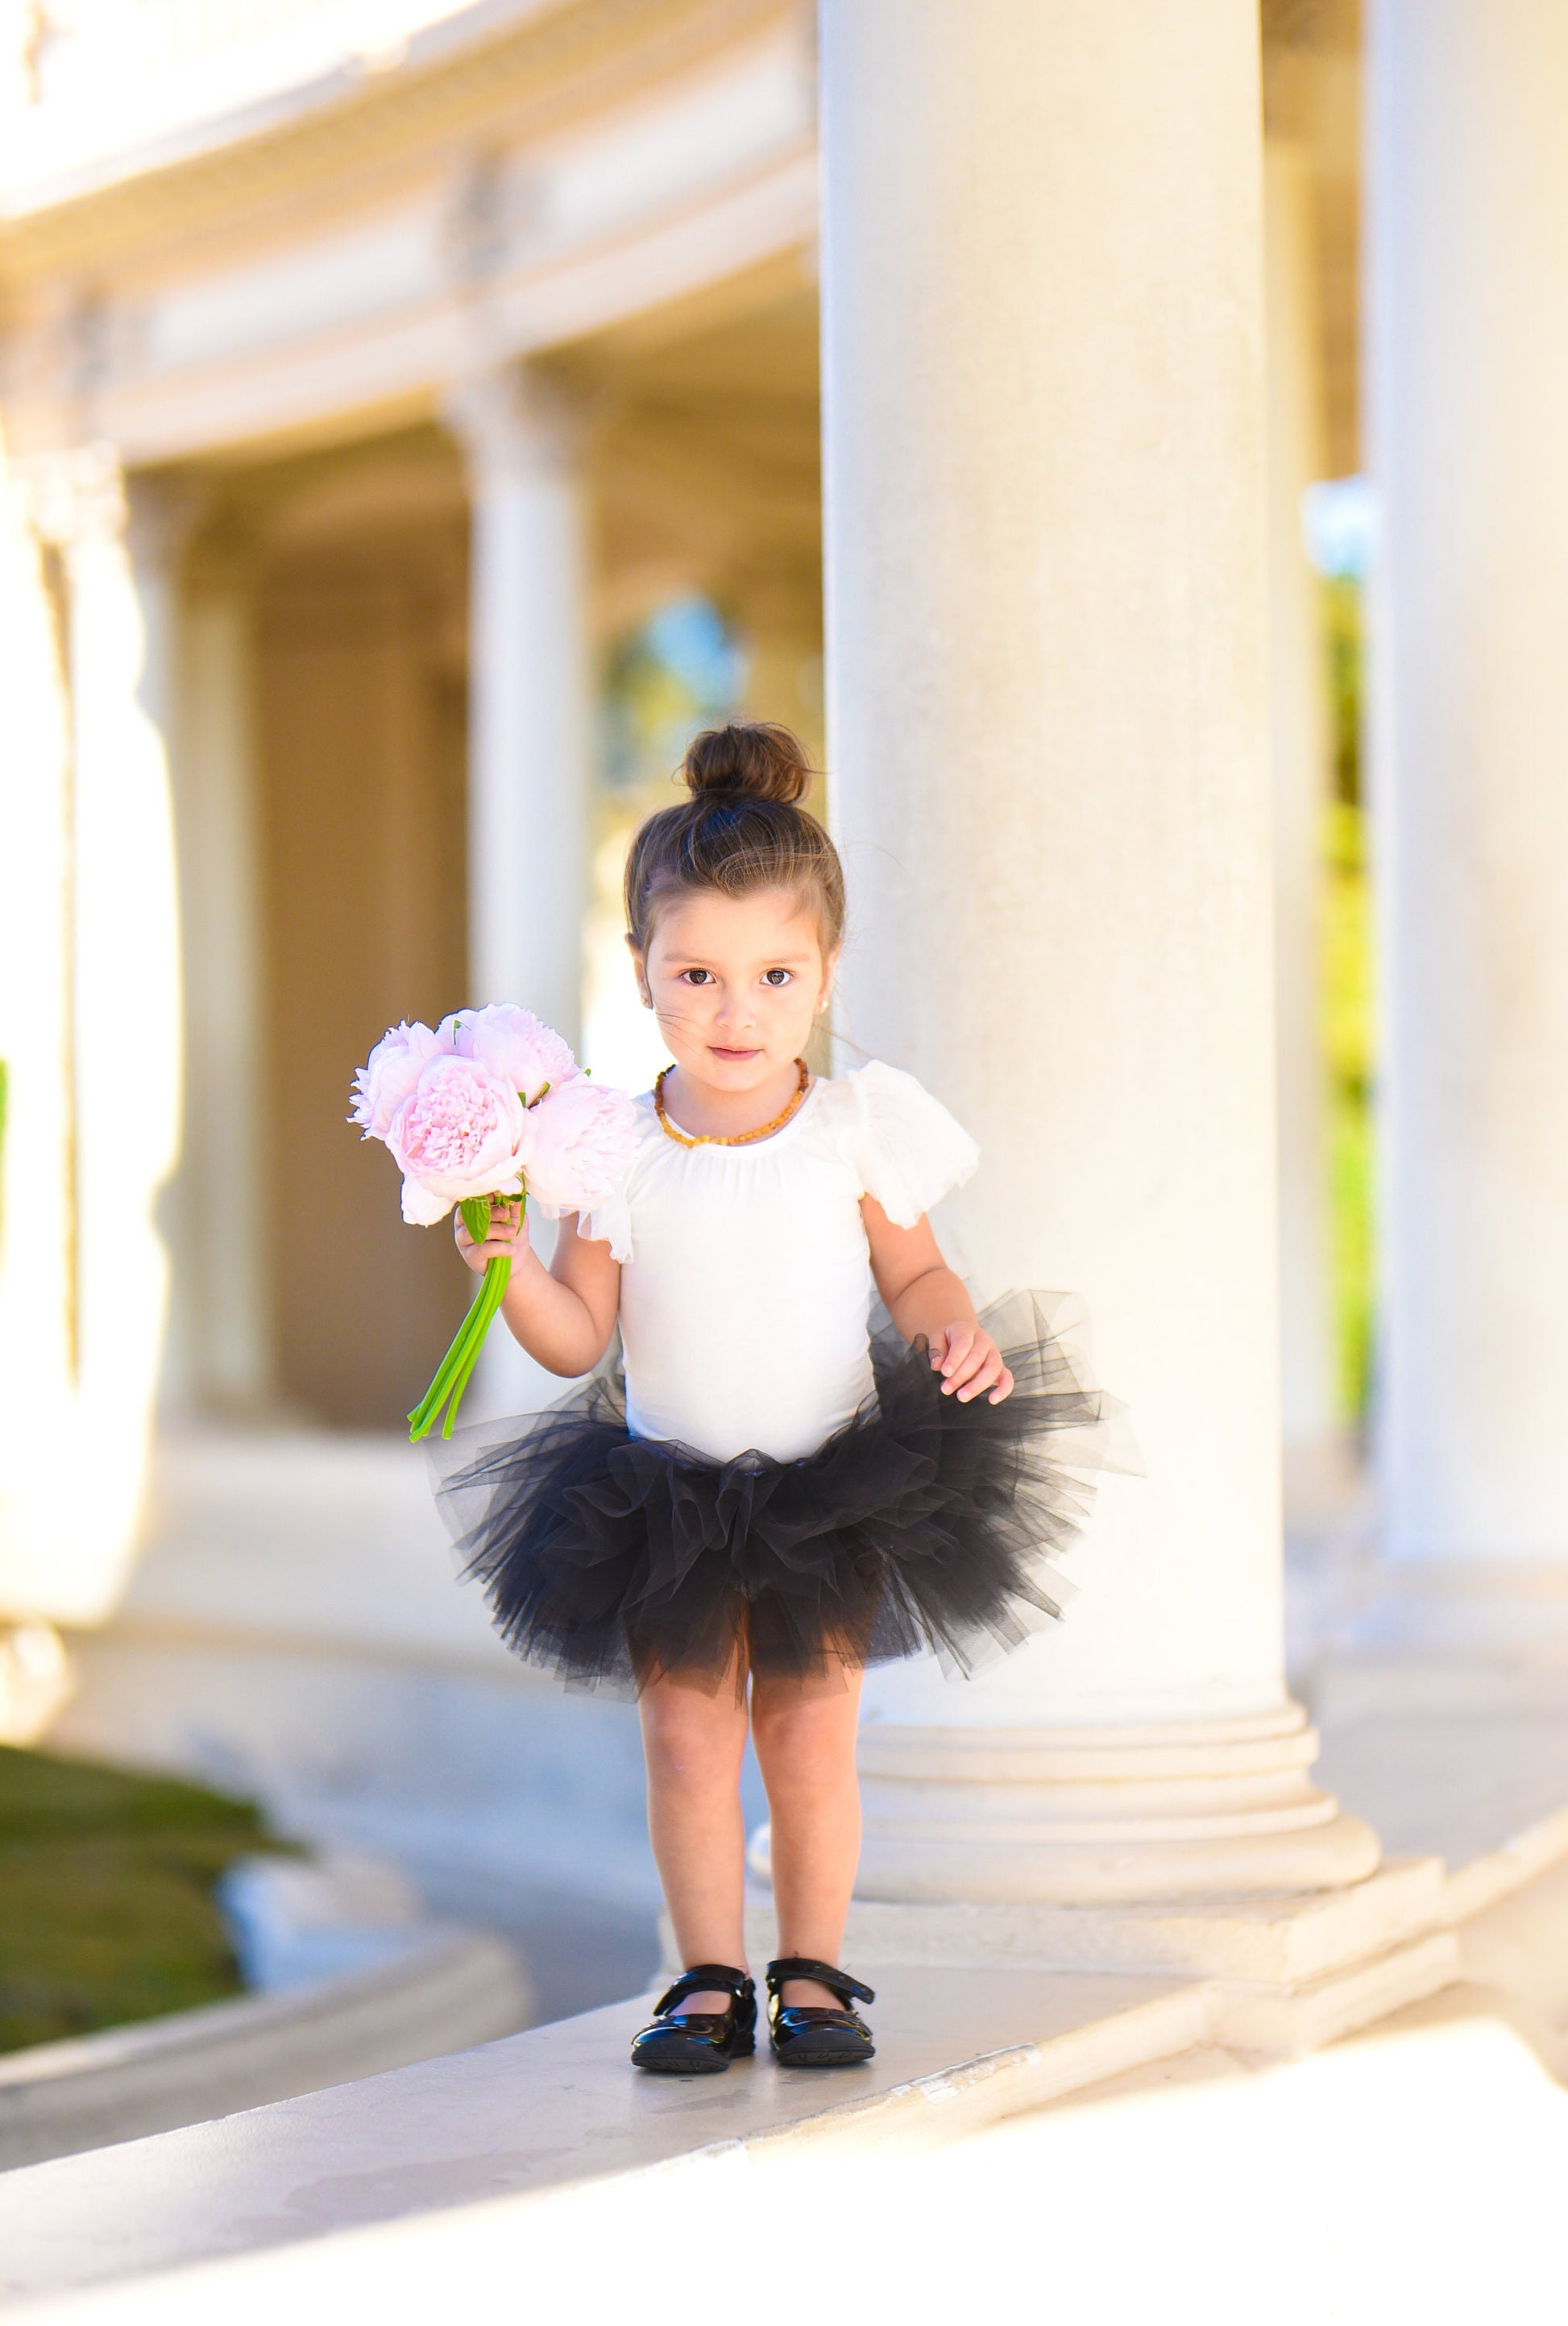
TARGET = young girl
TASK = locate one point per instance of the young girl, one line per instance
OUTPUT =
(773, 1498)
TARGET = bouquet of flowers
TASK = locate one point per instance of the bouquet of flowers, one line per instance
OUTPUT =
(489, 1108)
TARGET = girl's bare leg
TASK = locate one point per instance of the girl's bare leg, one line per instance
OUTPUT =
(692, 1744)
(804, 1732)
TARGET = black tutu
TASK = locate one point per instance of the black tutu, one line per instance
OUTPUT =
(921, 1524)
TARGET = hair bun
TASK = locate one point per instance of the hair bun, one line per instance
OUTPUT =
(749, 760)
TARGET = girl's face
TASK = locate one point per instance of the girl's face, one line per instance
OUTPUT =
(736, 982)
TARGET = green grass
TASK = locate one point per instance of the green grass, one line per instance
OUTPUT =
(107, 1912)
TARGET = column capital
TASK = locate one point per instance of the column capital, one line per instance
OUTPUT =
(79, 497)
(74, 495)
(516, 420)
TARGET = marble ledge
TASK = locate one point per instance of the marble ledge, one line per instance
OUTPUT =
(543, 2119)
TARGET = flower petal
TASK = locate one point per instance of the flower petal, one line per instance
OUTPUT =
(422, 1207)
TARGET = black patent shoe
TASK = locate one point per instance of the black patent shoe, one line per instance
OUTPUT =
(805, 2035)
(699, 2042)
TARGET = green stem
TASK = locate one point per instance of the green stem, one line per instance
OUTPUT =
(459, 1362)
(489, 1300)
(452, 1359)
(456, 1367)
(453, 1372)
(434, 1397)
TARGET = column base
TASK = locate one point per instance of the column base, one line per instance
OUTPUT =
(1220, 1809)
(1199, 1850)
(998, 1867)
(35, 1680)
(1282, 1975)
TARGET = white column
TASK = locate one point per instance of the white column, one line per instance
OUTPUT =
(1300, 754)
(37, 1304)
(126, 946)
(1044, 370)
(123, 1010)
(219, 1354)
(530, 739)
(1467, 187)
(530, 744)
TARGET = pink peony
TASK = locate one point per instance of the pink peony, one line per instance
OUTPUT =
(514, 1044)
(457, 1134)
(381, 1086)
(466, 1111)
(577, 1146)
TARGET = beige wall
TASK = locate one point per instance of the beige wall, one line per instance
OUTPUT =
(361, 732)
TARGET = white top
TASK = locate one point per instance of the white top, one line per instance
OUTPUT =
(745, 1276)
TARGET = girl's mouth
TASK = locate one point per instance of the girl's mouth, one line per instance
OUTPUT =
(719, 1051)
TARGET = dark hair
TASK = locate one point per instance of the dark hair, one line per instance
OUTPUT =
(743, 829)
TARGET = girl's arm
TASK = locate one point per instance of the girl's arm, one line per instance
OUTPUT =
(562, 1315)
(925, 1298)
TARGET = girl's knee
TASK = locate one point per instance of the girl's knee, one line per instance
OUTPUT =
(687, 1738)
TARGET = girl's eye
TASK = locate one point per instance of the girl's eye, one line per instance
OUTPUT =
(696, 976)
(777, 977)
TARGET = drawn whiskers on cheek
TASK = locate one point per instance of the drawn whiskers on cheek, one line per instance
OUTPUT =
(681, 1021)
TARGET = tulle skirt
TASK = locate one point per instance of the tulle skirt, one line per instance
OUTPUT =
(922, 1524)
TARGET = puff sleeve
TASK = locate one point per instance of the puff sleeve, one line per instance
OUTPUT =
(611, 1223)
(908, 1150)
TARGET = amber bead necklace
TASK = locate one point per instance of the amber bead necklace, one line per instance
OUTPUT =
(740, 1137)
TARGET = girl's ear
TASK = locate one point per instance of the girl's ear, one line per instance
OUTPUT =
(639, 964)
(829, 972)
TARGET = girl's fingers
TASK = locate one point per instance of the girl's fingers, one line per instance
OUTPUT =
(970, 1363)
(963, 1371)
(505, 1219)
(502, 1243)
(982, 1367)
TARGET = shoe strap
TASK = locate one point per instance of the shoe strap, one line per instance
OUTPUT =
(704, 1976)
(825, 1974)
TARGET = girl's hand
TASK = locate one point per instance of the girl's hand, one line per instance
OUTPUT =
(969, 1362)
(508, 1238)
